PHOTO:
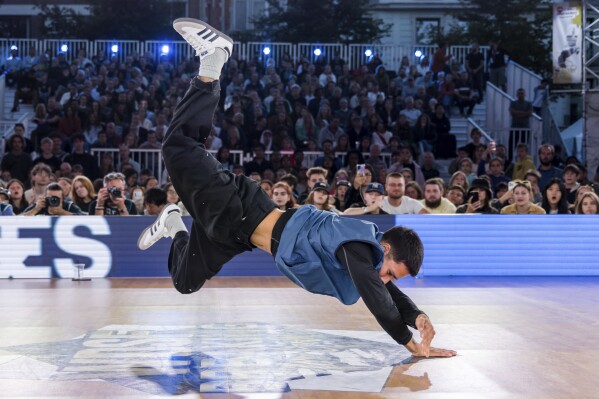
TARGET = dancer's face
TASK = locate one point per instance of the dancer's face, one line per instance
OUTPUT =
(392, 270)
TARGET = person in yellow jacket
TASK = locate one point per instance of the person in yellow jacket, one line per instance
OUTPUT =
(523, 164)
(522, 193)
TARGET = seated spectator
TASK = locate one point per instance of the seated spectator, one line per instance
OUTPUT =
(111, 198)
(315, 175)
(125, 157)
(341, 188)
(407, 174)
(414, 191)
(478, 199)
(40, 178)
(446, 95)
(375, 160)
(410, 112)
(406, 161)
(319, 197)
(381, 135)
(282, 196)
(571, 174)
(459, 179)
(171, 194)
(27, 90)
(361, 178)
(83, 193)
(151, 142)
(67, 186)
(475, 141)
(496, 173)
(522, 193)
(456, 195)
(5, 206)
(587, 204)
(466, 166)
(555, 198)
(266, 185)
(373, 197)
(259, 164)
(396, 202)
(546, 168)
(522, 165)
(434, 201)
(46, 156)
(503, 196)
(16, 190)
(19, 130)
(154, 201)
(465, 96)
(83, 158)
(533, 176)
(425, 132)
(429, 168)
(137, 194)
(16, 162)
(52, 203)
(151, 182)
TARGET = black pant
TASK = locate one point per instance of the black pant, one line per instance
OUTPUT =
(225, 208)
(391, 307)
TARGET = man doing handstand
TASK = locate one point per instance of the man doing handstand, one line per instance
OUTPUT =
(321, 252)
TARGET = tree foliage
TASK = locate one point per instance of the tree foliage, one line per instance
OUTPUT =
(324, 21)
(109, 19)
(523, 28)
(60, 22)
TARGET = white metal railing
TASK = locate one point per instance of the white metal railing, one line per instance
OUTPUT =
(69, 47)
(471, 124)
(176, 50)
(499, 122)
(22, 44)
(124, 48)
(520, 77)
(152, 159)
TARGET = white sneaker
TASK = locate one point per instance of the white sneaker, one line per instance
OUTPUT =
(203, 37)
(158, 229)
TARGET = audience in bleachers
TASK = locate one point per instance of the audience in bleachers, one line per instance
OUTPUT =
(314, 133)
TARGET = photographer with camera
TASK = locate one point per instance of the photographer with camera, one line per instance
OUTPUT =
(111, 199)
(52, 203)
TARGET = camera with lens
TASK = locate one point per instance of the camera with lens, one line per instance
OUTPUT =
(53, 201)
(115, 192)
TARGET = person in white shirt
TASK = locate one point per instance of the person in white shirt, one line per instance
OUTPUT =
(327, 76)
(396, 202)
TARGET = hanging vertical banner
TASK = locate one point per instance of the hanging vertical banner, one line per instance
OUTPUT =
(567, 42)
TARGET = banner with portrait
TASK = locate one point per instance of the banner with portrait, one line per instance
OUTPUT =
(567, 42)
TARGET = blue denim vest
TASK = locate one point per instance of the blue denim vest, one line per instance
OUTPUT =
(306, 253)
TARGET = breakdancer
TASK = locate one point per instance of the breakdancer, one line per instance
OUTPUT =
(319, 251)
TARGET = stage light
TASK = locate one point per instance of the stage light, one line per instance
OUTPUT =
(64, 48)
(13, 47)
(368, 53)
(317, 52)
(165, 49)
(418, 53)
(114, 48)
(266, 50)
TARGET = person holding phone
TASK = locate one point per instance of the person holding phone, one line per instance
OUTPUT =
(478, 199)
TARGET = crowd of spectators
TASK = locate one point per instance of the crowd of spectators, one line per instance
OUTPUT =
(378, 133)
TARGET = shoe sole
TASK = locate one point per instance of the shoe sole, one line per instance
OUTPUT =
(204, 24)
(143, 233)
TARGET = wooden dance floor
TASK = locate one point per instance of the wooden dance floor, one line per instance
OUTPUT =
(264, 338)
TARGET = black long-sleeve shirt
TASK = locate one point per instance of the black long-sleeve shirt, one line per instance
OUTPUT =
(393, 309)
